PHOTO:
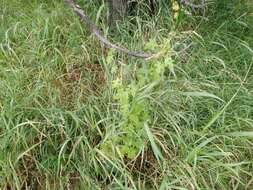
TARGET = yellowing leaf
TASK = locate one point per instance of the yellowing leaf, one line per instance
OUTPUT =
(175, 8)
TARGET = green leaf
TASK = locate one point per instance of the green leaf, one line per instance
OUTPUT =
(217, 115)
(201, 94)
(155, 148)
(241, 134)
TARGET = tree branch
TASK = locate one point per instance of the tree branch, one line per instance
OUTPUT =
(93, 28)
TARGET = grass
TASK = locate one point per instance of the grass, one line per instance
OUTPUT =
(57, 106)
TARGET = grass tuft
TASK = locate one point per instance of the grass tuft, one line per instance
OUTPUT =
(59, 106)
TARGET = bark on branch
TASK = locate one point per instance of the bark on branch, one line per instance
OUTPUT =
(93, 28)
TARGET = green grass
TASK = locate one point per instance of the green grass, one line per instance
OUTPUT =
(58, 106)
